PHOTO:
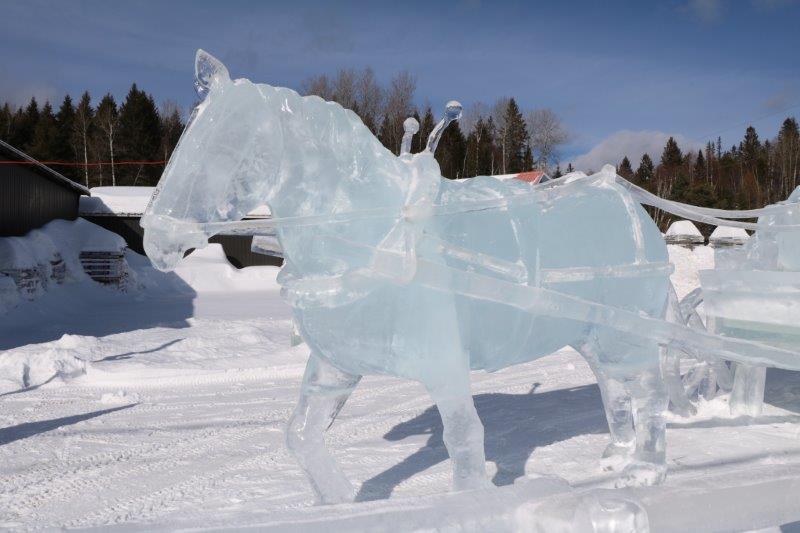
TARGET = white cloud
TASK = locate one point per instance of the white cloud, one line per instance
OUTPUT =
(633, 144)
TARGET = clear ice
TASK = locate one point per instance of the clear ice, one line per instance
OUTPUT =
(391, 269)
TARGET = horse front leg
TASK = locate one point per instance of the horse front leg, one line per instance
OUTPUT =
(324, 391)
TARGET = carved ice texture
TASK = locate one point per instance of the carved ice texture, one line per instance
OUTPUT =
(754, 293)
(391, 269)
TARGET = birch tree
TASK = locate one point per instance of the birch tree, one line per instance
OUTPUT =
(547, 133)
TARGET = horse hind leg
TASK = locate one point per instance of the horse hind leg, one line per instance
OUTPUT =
(324, 392)
(634, 400)
(650, 400)
(618, 411)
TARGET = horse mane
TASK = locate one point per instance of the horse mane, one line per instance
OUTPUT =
(331, 158)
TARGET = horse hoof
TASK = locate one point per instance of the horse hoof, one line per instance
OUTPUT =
(616, 449)
(640, 474)
(473, 484)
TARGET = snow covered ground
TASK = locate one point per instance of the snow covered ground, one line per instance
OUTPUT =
(176, 422)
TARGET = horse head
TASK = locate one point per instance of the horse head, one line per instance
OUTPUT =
(224, 165)
(250, 144)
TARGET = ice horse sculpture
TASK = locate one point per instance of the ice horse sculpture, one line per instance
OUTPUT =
(391, 269)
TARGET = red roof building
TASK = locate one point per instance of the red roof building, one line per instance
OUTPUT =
(533, 176)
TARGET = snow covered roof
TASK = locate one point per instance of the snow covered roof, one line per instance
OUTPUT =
(728, 235)
(41, 169)
(683, 231)
(130, 202)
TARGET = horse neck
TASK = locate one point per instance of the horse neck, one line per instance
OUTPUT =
(359, 173)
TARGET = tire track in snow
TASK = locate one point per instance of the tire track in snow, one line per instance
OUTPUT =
(58, 485)
(152, 504)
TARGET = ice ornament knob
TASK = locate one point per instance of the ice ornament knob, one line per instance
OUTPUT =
(410, 128)
(452, 111)
(610, 514)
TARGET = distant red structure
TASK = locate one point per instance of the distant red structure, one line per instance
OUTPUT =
(533, 176)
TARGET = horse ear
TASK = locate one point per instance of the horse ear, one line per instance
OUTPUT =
(208, 70)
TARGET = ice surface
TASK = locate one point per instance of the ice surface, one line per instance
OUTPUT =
(390, 269)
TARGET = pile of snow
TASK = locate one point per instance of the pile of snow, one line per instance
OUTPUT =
(728, 236)
(683, 232)
(48, 256)
(208, 270)
(688, 263)
(130, 202)
(36, 364)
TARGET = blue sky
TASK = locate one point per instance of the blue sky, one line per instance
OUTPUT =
(621, 74)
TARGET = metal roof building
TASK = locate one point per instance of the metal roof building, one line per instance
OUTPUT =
(33, 194)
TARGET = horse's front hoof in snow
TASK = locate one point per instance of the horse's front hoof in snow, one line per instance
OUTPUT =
(684, 409)
(337, 490)
(480, 483)
(640, 474)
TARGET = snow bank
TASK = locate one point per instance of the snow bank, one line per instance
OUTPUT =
(130, 201)
(683, 232)
(688, 263)
(728, 236)
(48, 256)
(37, 364)
(208, 270)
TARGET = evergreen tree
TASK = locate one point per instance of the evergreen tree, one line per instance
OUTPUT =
(700, 166)
(43, 145)
(557, 174)
(527, 158)
(646, 171)
(5, 122)
(480, 149)
(139, 138)
(426, 126)
(625, 170)
(451, 152)
(672, 157)
(515, 138)
(750, 147)
(65, 151)
(570, 168)
(23, 125)
(787, 151)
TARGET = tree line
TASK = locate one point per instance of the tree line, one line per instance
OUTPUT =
(489, 139)
(747, 175)
(101, 144)
(107, 144)
(110, 144)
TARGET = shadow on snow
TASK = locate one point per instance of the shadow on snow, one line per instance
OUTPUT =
(515, 425)
(30, 429)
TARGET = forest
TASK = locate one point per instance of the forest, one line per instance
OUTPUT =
(104, 143)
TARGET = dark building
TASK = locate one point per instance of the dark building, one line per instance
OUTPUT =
(119, 209)
(32, 194)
